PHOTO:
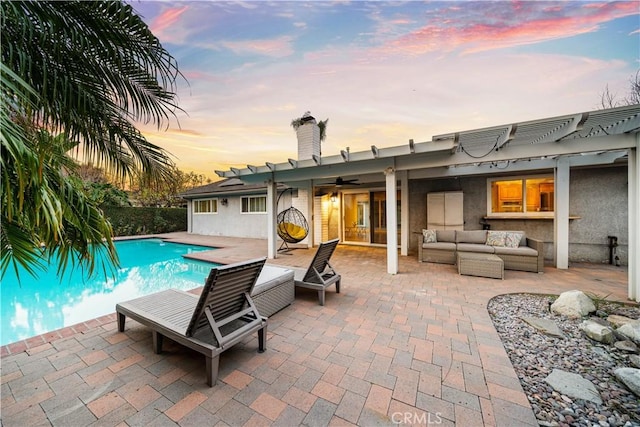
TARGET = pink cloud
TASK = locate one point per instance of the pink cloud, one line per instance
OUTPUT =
(277, 48)
(507, 24)
(167, 18)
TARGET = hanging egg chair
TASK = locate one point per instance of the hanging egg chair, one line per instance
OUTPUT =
(292, 226)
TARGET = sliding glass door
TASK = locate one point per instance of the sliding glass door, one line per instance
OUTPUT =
(356, 217)
(365, 217)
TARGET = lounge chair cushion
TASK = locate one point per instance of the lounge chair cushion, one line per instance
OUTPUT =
(292, 230)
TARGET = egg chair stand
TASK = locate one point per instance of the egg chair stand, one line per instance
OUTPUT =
(292, 226)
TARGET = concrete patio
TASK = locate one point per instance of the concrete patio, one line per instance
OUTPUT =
(416, 348)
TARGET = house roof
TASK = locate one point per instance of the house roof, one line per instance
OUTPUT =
(577, 134)
(226, 187)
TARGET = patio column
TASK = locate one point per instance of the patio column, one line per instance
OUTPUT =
(404, 212)
(561, 214)
(634, 229)
(272, 192)
(310, 213)
(392, 221)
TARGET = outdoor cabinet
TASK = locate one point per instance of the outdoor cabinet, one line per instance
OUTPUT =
(445, 210)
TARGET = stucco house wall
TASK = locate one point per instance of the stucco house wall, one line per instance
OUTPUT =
(229, 221)
(598, 196)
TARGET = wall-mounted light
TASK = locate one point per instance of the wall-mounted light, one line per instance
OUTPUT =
(224, 202)
(334, 197)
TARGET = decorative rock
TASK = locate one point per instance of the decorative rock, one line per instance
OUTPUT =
(627, 346)
(600, 321)
(573, 385)
(631, 330)
(546, 326)
(617, 320)
(630, 377)
(573, 304)
(598, 332)
(635, 360)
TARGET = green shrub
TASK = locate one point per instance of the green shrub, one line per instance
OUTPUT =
(131, 221)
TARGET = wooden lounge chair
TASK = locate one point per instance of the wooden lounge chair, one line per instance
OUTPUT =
(320, 275)
(220, 317)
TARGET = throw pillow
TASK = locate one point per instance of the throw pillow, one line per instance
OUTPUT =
(429, 236)
(513, 240)
(496, 238)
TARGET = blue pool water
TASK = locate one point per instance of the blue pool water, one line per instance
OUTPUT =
(46, 303)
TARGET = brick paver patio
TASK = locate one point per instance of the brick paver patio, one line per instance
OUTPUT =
(417, 348)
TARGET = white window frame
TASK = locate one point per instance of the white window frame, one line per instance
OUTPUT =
(525, 213)
(250, 212)
(213, 206)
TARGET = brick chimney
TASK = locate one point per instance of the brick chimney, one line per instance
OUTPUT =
(308, 134)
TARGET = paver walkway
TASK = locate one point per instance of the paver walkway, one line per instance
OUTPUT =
(416, 348)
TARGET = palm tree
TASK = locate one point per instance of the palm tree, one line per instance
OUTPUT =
(76, 75)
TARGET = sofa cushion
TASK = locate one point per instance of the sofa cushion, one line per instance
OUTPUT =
(446, 235)
(474, 247)
(429, 236)
(474, 236)
(521, 250)
(441, 246)
(496, 238)
(514, 239)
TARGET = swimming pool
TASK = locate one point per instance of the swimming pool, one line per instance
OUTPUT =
(46, 303)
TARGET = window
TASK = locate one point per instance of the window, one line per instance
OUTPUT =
(520, 196)
(205, 206)
(254, 204)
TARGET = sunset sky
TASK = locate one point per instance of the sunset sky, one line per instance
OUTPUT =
(381, 72)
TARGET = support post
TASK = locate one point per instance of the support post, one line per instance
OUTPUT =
(272, 217)
(634, 225)
(404, 212)
(392, 221)
(561, 214)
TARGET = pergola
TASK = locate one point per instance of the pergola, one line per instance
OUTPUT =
(558, 143)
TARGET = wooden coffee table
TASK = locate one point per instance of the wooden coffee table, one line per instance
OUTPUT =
(480, 264)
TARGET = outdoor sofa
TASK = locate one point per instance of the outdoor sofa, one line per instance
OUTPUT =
(517, 251)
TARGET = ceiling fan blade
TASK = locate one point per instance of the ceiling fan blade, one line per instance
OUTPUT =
(339, 182)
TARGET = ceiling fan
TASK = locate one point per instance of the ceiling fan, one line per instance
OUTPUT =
(339, 182)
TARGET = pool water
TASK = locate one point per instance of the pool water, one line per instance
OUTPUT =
(34, 306)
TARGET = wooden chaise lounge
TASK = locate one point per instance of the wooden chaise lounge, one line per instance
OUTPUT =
(220, 317)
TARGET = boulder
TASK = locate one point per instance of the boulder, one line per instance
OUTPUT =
(598, 332)
(631, 331)
(573, 385)
(629, 377)
(617, 320)
(627, 346)
(573, 304)
(635, 360)
(546, 326)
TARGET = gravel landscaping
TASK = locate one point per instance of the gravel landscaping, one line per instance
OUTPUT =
(535, 355)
